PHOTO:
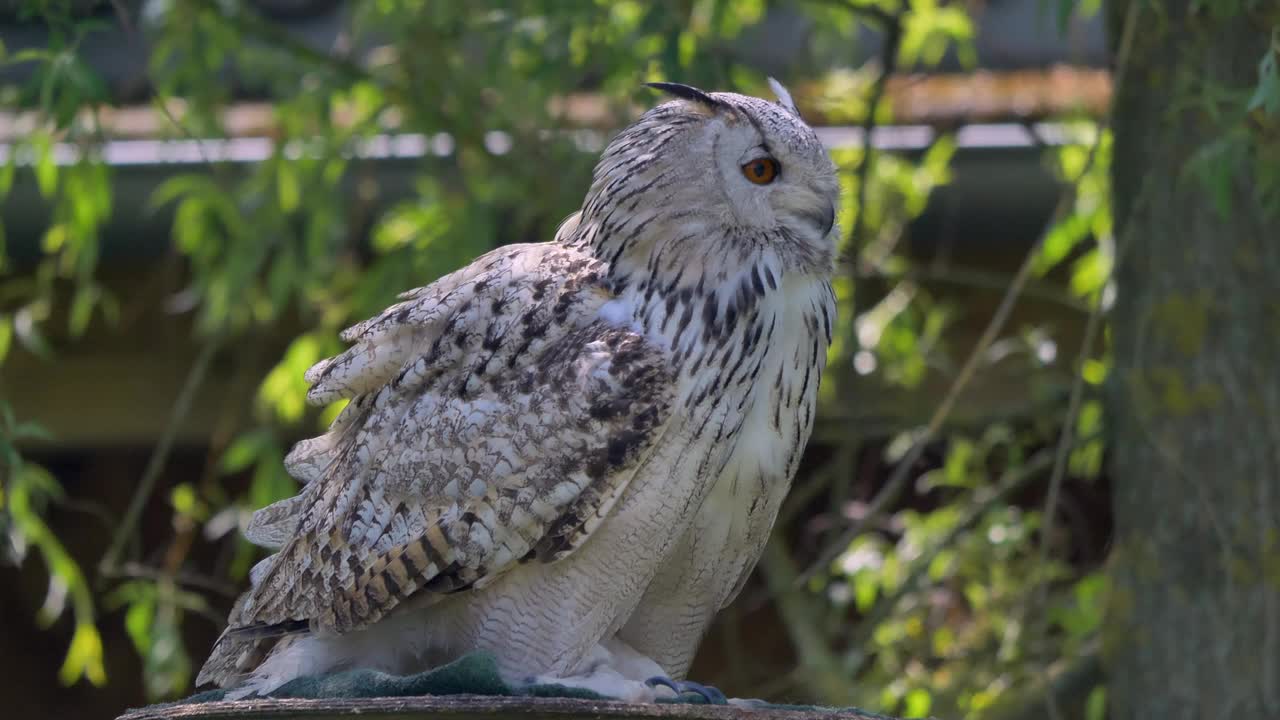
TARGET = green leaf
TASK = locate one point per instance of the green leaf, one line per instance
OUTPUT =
(688, 48)
(244, 451)
(30, 55)
(82, 304)
(84, 657)
(180, 186)
(138, 619)
(1096, 705)
(941, 564)
(167, 665)
(32, 431)
(1091, 272)
(284, 390)
(45, 168)
(288, 190)
(184, 500)
(865, 590)
(6, 335)
(1094, 371)
(917, 703)
(1060, 241)
(331, 412)
(270, 482)
(6, 176)
(956, 465)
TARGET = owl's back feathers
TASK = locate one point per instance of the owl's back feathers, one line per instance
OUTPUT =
(493, 420)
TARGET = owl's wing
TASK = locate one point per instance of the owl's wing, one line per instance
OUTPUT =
(494, 420)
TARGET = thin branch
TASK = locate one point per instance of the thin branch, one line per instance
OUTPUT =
(134, 570)
(891, 26)
(110, 563)
(982, 280)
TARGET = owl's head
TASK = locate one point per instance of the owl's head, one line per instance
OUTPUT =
(714, 174)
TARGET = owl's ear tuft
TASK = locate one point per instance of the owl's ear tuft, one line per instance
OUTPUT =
(784, 97)
(687, 92)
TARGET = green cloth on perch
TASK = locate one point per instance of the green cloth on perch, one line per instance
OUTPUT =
(473, 674)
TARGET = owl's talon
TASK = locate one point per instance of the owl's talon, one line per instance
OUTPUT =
(712, 695)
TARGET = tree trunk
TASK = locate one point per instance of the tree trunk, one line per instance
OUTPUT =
(1193, 626)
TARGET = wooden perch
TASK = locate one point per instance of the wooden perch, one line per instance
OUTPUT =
(475, 707)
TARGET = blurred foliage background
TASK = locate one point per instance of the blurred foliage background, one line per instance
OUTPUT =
(198, 195)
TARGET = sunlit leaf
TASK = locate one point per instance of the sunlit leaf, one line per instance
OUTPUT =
(186, 502)
(84, 657)
(865, 590)
(283, 392)
(288, 190)
(7, 170)
(6, 335)
(137, 622)
(956, 466)
(1090, 272)
(917, 703)
(45, 168)
(244, 451)
(331, 412)
(1060, 241)
(82, 304)
(1094, 371)
(943, 640)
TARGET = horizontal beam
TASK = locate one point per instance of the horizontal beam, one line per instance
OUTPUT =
(410, 146)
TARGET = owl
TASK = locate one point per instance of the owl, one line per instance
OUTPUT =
(567, 454)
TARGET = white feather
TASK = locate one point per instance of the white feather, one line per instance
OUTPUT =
(619, 312)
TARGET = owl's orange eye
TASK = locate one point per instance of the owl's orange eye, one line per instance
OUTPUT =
(761, 171)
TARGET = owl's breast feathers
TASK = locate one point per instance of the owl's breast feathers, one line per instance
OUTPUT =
(494, 419)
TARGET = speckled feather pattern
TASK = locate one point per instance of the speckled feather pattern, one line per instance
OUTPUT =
(561, 446)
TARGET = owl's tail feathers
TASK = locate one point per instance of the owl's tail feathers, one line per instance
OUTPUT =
(234, 655)
(232, 659)
(242, 647)
(235, 660)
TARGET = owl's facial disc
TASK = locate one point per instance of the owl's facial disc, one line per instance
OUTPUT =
(713, 172)
(771, 167)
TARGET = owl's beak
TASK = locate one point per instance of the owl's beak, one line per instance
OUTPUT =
(829, 219)
(821, 215)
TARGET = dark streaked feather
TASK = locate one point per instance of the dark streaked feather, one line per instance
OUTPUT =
(687, 92)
